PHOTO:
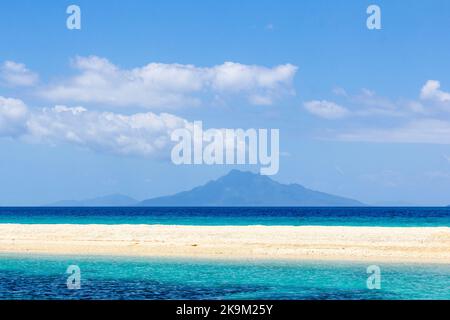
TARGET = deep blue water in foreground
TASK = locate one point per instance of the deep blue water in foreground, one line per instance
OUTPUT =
(362, 216)
(127, 278)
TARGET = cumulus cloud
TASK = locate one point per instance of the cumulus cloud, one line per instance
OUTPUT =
(431, 91)
(141, 134)
(17, 74)
(326, 109)
(159, 85)
(13, 113)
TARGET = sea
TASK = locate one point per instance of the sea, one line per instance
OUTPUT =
(125, 278)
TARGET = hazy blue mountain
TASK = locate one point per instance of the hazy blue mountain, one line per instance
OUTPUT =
(248, 189)
(113, 200)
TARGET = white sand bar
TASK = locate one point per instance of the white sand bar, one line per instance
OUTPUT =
(422, 245)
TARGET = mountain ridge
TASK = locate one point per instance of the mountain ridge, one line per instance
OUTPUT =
(243, 188)
(112, 200)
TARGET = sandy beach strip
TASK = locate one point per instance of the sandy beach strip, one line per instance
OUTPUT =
(420, 245)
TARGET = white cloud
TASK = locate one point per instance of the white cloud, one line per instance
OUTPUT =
(326, 109)
(404, 121)
(368, 104)
(13, 113)
(159, 85)
(431, 91)
(17, 74)
(141, 134)
(430, 131)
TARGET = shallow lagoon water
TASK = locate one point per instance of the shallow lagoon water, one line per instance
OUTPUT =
(44, 277)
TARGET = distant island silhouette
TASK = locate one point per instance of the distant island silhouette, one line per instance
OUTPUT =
(113, 200)
(236, 189)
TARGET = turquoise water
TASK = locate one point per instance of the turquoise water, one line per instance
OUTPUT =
(361, 216)
(32, 277)
(128, 278)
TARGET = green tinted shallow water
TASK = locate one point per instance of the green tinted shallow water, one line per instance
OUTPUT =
(132, 278)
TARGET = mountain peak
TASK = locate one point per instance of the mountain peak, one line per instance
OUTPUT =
(245, 188)
(242, 176)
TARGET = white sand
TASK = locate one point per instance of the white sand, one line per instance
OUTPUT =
(422, 245)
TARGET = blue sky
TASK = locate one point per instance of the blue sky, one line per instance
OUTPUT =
(362, 113)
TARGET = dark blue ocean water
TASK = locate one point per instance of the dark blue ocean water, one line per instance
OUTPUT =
(362, 216)
(127, 278)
